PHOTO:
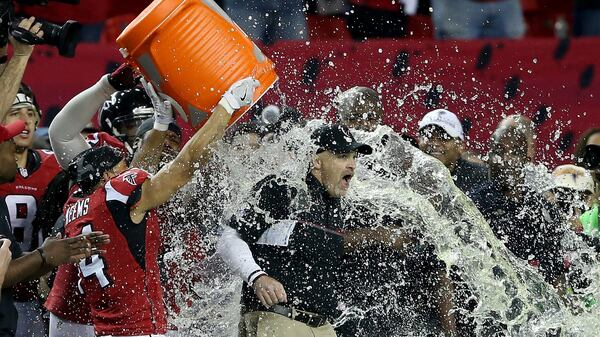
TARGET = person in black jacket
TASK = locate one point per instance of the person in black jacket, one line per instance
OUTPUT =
(524, 220)
(297, 236)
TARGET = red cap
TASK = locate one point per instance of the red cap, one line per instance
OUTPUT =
(10, 130)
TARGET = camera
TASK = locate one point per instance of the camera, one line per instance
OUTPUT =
(65, 37)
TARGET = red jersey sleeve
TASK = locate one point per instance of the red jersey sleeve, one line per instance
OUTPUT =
(126, 187)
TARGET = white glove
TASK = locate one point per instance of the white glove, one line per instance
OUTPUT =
(240, 94)
(163, 113)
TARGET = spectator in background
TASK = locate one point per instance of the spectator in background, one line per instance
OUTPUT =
(524, 220)
(474, 19)
(589, 137)
(269, 20)
(587, 155)
(586, 18)
(359, 108)
(441, 136)
(376, 19)
(573, 191)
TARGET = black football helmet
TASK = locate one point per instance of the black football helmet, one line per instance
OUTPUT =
(124, 112)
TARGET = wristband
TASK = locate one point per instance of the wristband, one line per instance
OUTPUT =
(225, 104)
(254, 276)
(43, 256)
(160, 127)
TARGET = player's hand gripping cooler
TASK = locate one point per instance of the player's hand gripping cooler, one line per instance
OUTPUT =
(193, 52)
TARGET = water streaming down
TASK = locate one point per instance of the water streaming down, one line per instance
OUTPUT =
(398, 181)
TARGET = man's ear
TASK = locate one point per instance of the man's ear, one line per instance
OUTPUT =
(106, 176)
(317, 162)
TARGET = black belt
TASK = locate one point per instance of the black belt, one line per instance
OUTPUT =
(312, 320)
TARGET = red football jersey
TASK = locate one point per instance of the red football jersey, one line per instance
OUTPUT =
(65, 300)
(98, 139)
(24, 195)
(123, 285)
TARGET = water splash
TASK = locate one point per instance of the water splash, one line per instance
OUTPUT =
(415, 188)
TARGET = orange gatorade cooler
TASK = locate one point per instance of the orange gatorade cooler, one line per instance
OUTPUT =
(193, 52)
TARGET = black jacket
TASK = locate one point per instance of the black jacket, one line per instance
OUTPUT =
(398, 290)
(530, 228)
(469, 176)
(307, 265)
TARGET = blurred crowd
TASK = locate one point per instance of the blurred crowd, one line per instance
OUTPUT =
(269, 21)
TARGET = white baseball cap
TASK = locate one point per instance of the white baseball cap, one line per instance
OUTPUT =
(574, 178)
(444, 119)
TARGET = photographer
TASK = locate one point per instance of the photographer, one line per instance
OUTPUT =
(11, 73)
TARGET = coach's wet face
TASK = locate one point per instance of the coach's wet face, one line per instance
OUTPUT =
(335, 171)
(8, 168)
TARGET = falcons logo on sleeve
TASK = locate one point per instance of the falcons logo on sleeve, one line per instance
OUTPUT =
(130, 178)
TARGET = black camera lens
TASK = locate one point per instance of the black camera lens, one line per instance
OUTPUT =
(64, 37)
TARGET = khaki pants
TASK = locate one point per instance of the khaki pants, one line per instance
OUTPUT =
(269, 324)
